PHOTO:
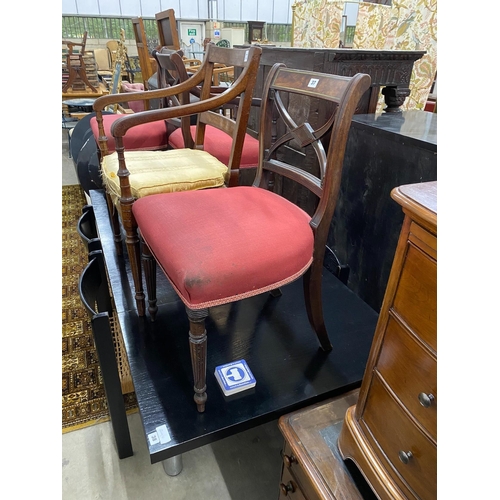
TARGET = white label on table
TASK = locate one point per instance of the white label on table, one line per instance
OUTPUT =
(153, 438)
(313, 82)
(163, 434)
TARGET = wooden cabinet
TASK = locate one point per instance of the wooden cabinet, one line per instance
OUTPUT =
(391, 432)
(312, 466)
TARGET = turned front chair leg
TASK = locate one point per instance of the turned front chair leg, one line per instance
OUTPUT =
(314, 305)
(134, 254)
(149, 264)
(115, 224)
(198, 349)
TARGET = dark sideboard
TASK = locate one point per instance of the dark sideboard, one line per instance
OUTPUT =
(383, 151)
(390, 70)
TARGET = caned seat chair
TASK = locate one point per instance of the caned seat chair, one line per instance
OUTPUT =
(129, 175)
(222, 245)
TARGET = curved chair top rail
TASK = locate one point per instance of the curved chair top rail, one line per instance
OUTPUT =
(303, 109)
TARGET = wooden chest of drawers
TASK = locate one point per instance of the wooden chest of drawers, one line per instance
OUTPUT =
(391, 432)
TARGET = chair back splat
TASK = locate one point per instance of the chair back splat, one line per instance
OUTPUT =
(217, 246)
(172, 71)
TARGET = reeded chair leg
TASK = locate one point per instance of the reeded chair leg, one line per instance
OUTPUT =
(134, 253)
(198, 348)
(115, 224)
(149, 265)
(314, 304)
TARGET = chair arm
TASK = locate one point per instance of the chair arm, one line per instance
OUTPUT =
(102, 102)
(120, 126)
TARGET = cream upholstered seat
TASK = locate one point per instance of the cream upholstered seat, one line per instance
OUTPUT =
(153, 172)
(130, 175)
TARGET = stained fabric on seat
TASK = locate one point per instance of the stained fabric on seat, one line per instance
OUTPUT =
(231, 253)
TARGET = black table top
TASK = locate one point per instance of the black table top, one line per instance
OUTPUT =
(272, 334)
(79, 102)
(418, 127)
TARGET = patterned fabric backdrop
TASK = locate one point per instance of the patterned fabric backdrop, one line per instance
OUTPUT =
(406, 25)
(317, 23)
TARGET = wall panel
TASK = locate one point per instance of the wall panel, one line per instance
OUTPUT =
(88, 7)
(230, 9)
(69, 7)
(148, 8)
(111, 7)
(282, 12)
(169, 4)
(264, 11)
(249, 11)
(270, 11)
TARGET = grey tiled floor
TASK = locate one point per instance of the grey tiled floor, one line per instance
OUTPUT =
(245, 466)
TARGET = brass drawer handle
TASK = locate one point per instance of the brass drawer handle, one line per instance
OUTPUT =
(405, 456)
(289, 460)
(286, 488)
(425, 399)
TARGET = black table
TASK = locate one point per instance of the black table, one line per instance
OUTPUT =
(272, 335)
(79, 105)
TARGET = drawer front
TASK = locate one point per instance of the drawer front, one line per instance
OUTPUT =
(411, 372)
(298, 474)
(289, 489)
(416, 295)
(395, 433)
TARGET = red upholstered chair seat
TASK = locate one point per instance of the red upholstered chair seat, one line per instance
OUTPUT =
(219, 144)
(241, 246)
(148, 136)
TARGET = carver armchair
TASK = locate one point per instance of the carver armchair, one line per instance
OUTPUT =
(219, 246)
(129, 175)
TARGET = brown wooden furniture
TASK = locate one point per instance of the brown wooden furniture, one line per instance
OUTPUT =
(236, 243)
(142, 50)
(387, 68)
(217, 142)
(312, 466)
(222, 74)
(391, 433)
(390, 69)
(114, 48)
(207, 171)
(87, 93)
(167, 29)
(255, 31)
(75, 64)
